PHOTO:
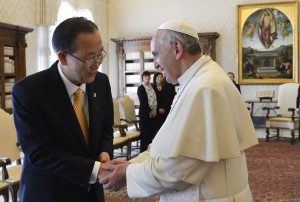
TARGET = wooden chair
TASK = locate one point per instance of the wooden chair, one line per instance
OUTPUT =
(129, 116)
(9, 155)
(4, 191)
(285, 118)
(120, 139)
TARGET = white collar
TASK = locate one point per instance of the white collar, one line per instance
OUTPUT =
(71, 88)
(188, 74)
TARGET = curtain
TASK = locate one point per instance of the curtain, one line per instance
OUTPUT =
(46, 10)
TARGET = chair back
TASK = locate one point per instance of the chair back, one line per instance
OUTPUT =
(116, 104)
(8, 137)
(287, 97)
(128, 108)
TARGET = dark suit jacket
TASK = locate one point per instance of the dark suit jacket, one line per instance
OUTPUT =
(144, 108)
(298, 98)
(57, 163)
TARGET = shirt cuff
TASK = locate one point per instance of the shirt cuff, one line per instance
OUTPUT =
(94, 175)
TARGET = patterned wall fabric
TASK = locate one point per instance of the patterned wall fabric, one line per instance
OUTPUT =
(134, 18)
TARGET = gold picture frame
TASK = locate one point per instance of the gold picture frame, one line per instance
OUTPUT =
(267, 43)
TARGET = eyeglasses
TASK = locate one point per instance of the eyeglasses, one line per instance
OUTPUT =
(98, 58)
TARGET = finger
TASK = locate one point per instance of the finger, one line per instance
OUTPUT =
(106, 186)
(104, 180)
(109, 167)
(104, 160)
(118, 161)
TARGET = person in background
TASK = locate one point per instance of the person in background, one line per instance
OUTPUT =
(161, 97)
(231, 76)
(64, 117)
(147, 110)
(198, 154)
(170, 94)
(298, 99)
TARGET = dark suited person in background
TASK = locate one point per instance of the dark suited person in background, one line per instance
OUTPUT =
(298, 98)
(147, 111)
(231, 76)
(65, 146)
(164, 98)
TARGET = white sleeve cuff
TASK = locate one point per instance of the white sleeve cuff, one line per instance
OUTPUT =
(94, 175)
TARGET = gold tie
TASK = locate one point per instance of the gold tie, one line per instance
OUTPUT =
(78, 107)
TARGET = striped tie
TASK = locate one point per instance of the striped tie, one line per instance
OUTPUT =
(78, 108)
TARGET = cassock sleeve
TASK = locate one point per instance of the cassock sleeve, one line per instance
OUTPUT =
(155, 175)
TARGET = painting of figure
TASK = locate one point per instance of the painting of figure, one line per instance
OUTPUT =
(268, 48)
(267, 28)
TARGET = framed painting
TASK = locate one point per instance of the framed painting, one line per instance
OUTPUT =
(268, 43)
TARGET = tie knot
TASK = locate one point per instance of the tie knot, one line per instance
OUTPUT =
(78, 93)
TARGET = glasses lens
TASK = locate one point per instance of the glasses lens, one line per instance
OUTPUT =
(98, 58)
(101, 56)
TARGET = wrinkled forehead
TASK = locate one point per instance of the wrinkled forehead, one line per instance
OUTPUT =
(153, 45)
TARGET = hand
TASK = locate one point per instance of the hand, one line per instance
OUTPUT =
(118, 161)
(102, 173)
(104, 157)
(161, 111)
(153, 114)
(116, 179)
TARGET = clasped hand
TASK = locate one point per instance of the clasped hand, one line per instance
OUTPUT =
(113, 175)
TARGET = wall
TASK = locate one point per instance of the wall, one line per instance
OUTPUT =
(133, 18)
(22, 13)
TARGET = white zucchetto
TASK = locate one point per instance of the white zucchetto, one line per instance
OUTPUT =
(179, 26)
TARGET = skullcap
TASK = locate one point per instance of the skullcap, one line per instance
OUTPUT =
(179, 26)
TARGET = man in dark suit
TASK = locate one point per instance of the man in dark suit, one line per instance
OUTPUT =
(63, 160)
(298, 98)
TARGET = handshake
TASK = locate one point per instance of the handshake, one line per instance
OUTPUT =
(112, 174)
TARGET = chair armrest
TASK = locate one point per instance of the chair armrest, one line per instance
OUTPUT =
(269, 109)
(121, 129)
(5, 175)
(293, 112)
(5, 160)
(135, 122)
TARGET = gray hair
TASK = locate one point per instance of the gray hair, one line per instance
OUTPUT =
(168, 37)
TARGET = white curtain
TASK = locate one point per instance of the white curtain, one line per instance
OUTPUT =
(46, 16)
(46, 10)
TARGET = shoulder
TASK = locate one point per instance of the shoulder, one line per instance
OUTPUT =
(34, 80)
(101, 77)
(141, 87)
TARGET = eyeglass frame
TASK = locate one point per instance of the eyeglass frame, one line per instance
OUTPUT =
(97, 60)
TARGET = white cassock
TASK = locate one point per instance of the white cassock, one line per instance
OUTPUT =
(198, 154)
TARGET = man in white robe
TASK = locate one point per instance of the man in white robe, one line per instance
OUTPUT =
(198, 154)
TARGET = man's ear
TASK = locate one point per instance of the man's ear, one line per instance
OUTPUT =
(62, 57)
(178, 49)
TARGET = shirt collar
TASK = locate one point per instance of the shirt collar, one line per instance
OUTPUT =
(183, 79)
(71, 88)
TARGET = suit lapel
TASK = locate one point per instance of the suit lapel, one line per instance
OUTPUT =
(94, 115)
(59, 97)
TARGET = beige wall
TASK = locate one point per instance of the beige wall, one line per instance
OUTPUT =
(134, 18)
(23, 13)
